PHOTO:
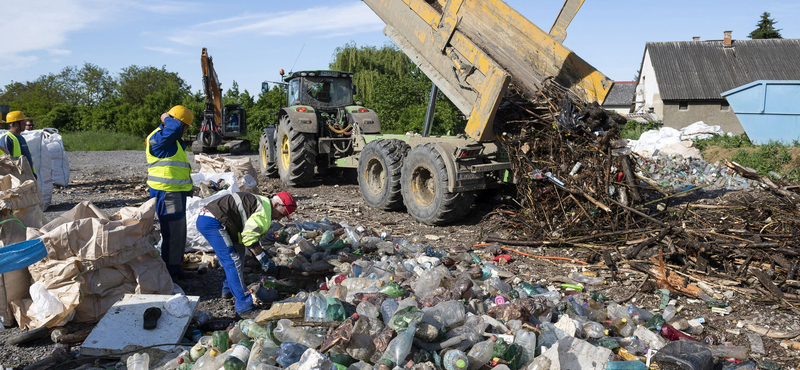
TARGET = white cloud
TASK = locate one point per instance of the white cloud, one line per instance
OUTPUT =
(319, 21)
(55, 19)
(164, 7)
(163, 50)
(59, 52)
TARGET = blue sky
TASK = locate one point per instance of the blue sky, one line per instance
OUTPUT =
(251, 40)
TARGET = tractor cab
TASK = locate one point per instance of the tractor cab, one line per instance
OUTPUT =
(320, 89)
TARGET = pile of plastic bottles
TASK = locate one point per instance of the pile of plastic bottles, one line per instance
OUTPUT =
(678, 173)
(387, 303)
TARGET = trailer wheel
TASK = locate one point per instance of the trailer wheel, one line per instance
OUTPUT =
(424, 187)
(268, 168)
(296, 154)
(379, 167)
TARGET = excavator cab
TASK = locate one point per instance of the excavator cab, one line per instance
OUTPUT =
(233, 121)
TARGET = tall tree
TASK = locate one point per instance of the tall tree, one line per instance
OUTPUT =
(765, 29)
(398, 91)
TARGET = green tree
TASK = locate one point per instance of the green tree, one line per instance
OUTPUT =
(765, 28)
(136, 83)
(388, 82)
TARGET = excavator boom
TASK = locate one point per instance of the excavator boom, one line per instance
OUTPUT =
(211, 87)
(472, 50)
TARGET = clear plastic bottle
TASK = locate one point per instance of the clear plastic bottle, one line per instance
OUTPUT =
(650, 338)
(446, 314)
(639, 315)
(367, 309)
(669, 313)
(262, 355)
(616, 312)
(251, 329)
(581, 278)
(235, 335)
(481, 353)
(388, 307)
(212, 360)
(315, 307)
(361, 283)
(284, 332)
(139, 361)
(594, 329)
(400, 346)
(526, 340)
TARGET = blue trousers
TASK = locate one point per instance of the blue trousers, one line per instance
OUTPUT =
(231, 259)
(171, 211)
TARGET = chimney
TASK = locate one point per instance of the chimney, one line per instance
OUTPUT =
(696, 38)
(727, 41)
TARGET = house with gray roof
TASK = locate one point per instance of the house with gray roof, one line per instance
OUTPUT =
(620, 97)
(681, 82)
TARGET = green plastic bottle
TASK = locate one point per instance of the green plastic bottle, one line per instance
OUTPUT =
(393, 289)
(335, 310)
(221, 340)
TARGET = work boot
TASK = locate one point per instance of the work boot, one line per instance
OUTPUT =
(226, 293)
(248, 315)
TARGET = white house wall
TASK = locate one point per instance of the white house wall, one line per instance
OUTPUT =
(647, 93)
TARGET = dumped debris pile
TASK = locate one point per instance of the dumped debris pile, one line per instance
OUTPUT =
(343, 297)
(579, 186)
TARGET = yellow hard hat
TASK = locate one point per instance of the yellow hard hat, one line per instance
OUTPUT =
(14, 116)
(182, 114)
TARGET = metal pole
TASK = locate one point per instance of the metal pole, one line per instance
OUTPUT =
(431, 109)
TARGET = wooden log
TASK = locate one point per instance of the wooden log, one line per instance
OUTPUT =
(767, 283)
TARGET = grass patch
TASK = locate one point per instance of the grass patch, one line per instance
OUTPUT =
(102, 140)
(633, 130)
(725, 141)
(769, 159)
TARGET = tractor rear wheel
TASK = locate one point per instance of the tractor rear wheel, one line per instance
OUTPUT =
(379, 168)
(424, 185)
(268, 168)
(297, 154)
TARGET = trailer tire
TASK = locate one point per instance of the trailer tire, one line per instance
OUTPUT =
(297, 154)
(379, 169)
(424, 183)
(268, 168)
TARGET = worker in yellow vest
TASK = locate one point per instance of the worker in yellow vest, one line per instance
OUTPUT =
(12, 140)
(168, 176)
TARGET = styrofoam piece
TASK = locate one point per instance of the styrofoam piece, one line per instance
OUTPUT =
(122, 326)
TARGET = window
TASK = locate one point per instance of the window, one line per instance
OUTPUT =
(724, 106)
(683, 105)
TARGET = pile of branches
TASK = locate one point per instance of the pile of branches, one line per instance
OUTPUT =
(746, 241)
(572, 170)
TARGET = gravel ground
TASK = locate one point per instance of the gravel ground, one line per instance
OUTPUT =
(117, 179)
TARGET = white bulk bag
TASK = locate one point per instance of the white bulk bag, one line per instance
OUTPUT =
(58, 155)
(42, 163)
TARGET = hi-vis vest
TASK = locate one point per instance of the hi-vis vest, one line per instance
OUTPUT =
(171, 173)
(16, 151)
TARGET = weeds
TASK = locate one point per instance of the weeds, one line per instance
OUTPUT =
(102, 140)
(724, 141)
(768, 160)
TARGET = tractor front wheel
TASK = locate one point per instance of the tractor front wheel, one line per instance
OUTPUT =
(297, 154)
(265, 146)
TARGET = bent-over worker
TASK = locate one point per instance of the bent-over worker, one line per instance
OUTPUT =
(13, 141)
(168, 176)
(236, 221)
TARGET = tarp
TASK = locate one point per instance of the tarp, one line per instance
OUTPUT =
(194, 240)
(654, 141)
(93, 260)
(20, 207)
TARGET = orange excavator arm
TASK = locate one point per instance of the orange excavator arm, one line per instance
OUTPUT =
(211, 86)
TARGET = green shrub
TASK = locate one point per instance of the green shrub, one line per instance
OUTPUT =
(101, 140)
(633, 130)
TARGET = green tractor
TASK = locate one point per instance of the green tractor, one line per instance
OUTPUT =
(318, 128)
